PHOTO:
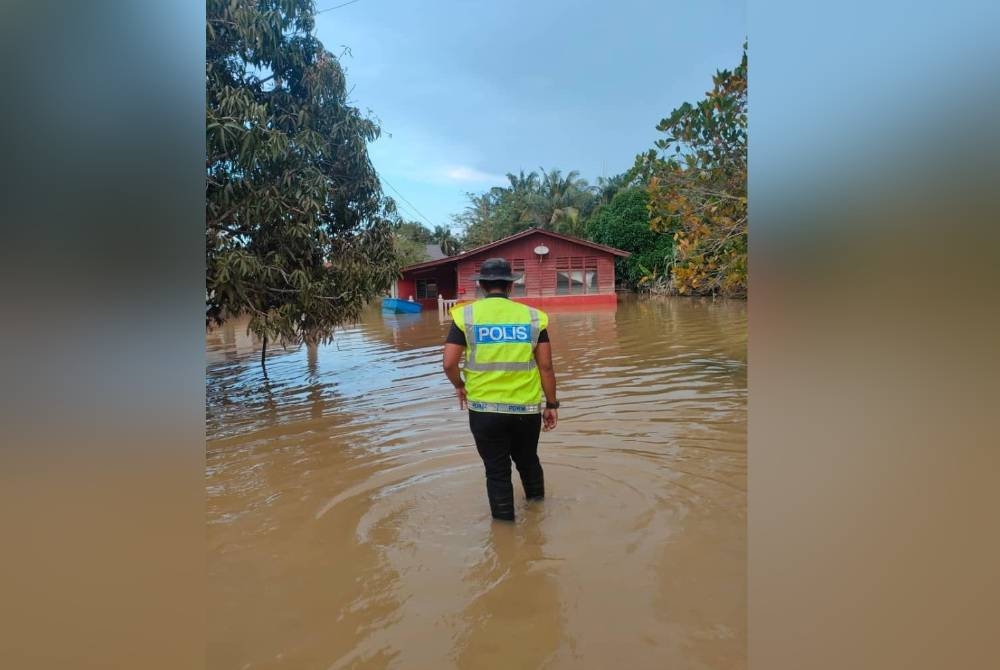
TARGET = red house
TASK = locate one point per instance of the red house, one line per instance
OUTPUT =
(558, 270)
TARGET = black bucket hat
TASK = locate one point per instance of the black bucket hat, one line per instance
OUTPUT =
(496, 269)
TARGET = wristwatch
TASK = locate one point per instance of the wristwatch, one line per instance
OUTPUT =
(552, 405)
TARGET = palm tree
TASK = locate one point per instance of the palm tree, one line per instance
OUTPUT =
(477, 220)
(445, 239)
(561, 200)
(606, 188)
(522, 183)
(518, 201)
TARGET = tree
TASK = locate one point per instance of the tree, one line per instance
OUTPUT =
(515, 205)
(414, 231)
(477, 220)
(698, 192)
(607, 188)
(624, 223)
(552, 202)
(410, 239)
(297, 229)
(409, 252)
(445, 239)
(523, 183)
(563, 201)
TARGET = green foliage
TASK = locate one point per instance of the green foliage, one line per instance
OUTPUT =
(552, 202)
(413, 231)
(409, 251)
(445, 240)
(607, 187)
(564, 202)
(298, 232)
(478, 221)
(624, 223)
(411, 240)
(697, 190)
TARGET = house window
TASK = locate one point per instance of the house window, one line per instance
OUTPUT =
(576, 275)
(477, 289)
(427, 288)
(517, 265)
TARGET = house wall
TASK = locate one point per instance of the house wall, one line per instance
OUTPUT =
(540, 275)
(444, 276)
(405, 287)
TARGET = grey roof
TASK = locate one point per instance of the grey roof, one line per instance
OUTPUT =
(434, 252)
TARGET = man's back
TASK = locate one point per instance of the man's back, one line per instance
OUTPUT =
(501, 336)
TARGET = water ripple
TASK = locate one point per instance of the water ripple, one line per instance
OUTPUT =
(347, 512)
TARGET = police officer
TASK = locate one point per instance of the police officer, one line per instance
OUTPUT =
(508, 364)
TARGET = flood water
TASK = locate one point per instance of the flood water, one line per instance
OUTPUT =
(348, 525)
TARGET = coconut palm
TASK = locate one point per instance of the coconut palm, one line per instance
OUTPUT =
(477, 220)
(445, 239)
(562, 200)
(606, 188)
(523, 183)
(517, 202)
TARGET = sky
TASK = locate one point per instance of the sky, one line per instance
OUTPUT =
(468, 90)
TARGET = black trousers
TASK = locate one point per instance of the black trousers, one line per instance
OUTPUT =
(500, 438)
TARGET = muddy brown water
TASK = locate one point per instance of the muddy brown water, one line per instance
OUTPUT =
(347, 518)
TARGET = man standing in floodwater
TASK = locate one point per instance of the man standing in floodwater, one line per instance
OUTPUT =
(508, 363)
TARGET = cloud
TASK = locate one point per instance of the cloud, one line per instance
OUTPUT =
(422, 157)
(465, 174)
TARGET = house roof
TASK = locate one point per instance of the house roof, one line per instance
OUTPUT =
(510, 238)
(433, 252)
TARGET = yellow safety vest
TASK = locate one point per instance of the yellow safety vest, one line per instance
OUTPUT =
(500, 370)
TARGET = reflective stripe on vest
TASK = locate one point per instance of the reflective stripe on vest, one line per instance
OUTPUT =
(503, 407)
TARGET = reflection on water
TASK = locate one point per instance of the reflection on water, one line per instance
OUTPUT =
(348, 521)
